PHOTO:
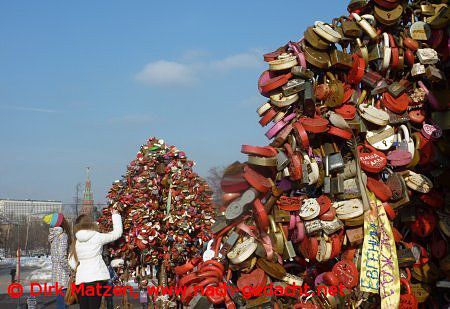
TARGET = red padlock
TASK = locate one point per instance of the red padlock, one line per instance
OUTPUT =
(408, 300)
(372, 160)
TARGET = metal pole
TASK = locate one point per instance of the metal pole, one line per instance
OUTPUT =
(26, 238)
(18, 260)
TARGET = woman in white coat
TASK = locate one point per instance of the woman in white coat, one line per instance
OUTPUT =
(87, 253)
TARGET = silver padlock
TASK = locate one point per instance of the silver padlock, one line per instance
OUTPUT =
(282, 160)
(418, 69)
(313, 226)
(327, 179)
(293, 86)
(330, 227)
(337, 184)
(427, 56)
(335, 162)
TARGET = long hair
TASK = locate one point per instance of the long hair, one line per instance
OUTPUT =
(66, 228)
(83, 222)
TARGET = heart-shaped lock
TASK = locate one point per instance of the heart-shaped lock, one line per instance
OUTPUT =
(348, 209)
(431, 131)
(338, 121)
(310, 209)
(408, 300)
(399, 157)
(260, 214)
(254, 279)
(381, 190)
(395, 184)
(373, 114)
(347, 111)
(381, 139)
(417, 116)
(396, 105)
(372, 160)
(347, 273)
(242, 251)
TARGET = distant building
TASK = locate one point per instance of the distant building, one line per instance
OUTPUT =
(19, 210)
(87, 207)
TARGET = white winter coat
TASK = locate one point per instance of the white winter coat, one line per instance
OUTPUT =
(89, 246)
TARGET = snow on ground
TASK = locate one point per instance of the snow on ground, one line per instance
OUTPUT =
(26, 261)
(43, 274)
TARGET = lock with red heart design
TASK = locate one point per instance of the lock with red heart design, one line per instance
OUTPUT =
(371, 160)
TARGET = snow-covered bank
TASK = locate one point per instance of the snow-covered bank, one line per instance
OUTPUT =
(26, 261)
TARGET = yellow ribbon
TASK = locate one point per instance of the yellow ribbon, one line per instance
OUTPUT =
(389, 272)
(370, 260)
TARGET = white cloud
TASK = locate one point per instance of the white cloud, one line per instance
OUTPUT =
(166, 73)
(185, 73)
(239, 61)
(29, 109)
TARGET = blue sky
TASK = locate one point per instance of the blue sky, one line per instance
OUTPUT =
(85, 83)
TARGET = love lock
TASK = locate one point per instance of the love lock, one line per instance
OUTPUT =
(372, 160)
(374, 115)
(336, 96)
(381, 139)
(407, 300)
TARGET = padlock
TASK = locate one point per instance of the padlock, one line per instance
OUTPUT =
(355, 235)
(419, 30)
(427, 56)
(405, 256)
(388, 17)
(433, 74)
(340, 59)
(293, 86)
(440, 17)
(407, 300)
(276, 236)
(350, 28)
(289, 251)
(327, 179)
(365, 25)
(371, 79)
(326, 32)
(302, 72)
(314, 40)
(313, 227)
(309, 100)
(281, 216)
(337, 185)
(418, 69)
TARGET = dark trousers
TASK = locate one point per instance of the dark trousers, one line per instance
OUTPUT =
(109, 301)
(91, 302)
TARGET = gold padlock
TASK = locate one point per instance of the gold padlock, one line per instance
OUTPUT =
(276, 236)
